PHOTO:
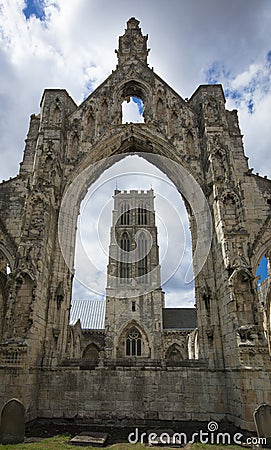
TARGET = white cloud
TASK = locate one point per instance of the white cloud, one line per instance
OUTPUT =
(244, 78)
(250, 92)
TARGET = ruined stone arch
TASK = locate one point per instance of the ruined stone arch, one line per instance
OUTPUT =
(136, 140)
(222, 353)
(80, 190)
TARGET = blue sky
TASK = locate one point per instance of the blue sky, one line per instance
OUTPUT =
(70, 44)
(35, 8)
(262, 271)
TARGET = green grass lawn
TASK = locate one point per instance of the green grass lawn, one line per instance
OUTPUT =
(61, 443)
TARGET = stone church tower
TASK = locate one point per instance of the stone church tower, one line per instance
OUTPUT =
(198, 144)
(134, 298)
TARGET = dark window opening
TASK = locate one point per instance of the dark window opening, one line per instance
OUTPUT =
(125, 243)
(124, 272)
(141, 215)
(133, 343)
(125, 214)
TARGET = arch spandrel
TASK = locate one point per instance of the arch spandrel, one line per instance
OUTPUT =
(132, 139)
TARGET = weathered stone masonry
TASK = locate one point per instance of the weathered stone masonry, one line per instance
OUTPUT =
(38, 348)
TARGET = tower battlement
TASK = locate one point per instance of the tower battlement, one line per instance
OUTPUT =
(134, 192)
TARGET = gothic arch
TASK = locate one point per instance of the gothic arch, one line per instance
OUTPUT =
(139, 140)
(190, 142)
(8, 254)
(91, 353)
(90, 121)
(193, 344)
(122, 340)
(173, 124)
(133, 88)
(261, 245)
(55, 113)
(125, 217)
(174, 354)
(125, 241)
(160, 109)
(136, 142)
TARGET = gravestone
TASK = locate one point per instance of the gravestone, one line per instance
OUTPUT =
(262, 417)
(12, 426)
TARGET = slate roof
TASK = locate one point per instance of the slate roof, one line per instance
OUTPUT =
(179, 318)
(90, 312)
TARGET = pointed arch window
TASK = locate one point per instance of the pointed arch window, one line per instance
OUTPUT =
(125, 267)
(125, 242)
(133, 342)
(125, 218)
(142, 214)
(173, 354)
(142, 264)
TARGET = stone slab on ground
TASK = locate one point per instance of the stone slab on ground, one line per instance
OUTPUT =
(90, 438)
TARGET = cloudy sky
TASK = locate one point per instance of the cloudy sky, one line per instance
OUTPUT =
(70, 44)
